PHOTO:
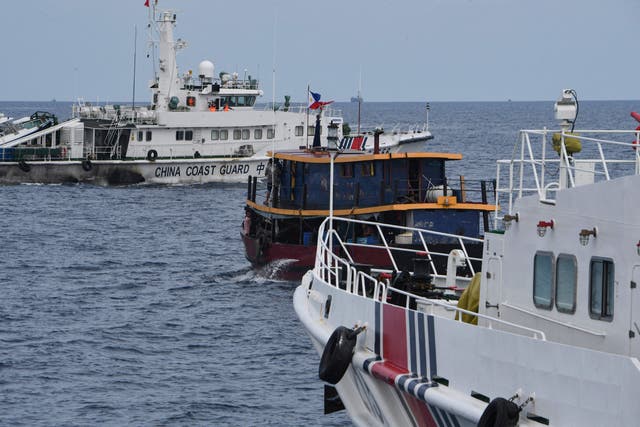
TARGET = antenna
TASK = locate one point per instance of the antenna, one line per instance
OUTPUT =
(135, 52)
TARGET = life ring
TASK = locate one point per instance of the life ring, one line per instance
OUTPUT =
(337, 354)
(500, 413)
(87, 165)
(152, 155)
(24, 166)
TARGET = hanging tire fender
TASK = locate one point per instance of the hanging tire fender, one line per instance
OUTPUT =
(152, 155)
(500, 412)
(87, 165)
(337, 354)
(24, 166)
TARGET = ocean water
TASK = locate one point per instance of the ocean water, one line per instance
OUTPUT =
(135, 305)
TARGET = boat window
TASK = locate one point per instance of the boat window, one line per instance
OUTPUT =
(347, 170)
(601, 288)
(215, 135)
(250, 101)
(246, 133)
(224, 134)
(179, 135)
(188, 135)
(149, 135)
(271, 133)
(257, 134)
(299, 130)
(368, 169)
(566, 282)
(543, 280)
(237, 134)
(139, 135)
(310, 130)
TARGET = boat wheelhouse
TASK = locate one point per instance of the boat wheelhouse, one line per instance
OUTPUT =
(280, 229)
(546, 333)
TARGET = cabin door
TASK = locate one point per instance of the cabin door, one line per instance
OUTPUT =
(493, 275)
(634, 327)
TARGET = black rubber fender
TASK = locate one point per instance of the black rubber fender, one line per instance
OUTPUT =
(500, 412)
(152, 155)
(196, 155)
(337, 354)
(87, 165)
(24, 166)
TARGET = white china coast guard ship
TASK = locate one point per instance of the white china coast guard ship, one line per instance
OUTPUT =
(547, 332)
(199, 128)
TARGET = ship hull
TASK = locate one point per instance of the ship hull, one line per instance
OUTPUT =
(119, 172)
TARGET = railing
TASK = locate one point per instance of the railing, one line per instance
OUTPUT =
(387, 241)
(542, 166)
(341, 272)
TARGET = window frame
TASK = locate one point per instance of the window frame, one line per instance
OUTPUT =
(552, 275)
(257, 134)
(217, 134)
(224, 134)
(574, 286)
(179, 135)
(149, 135)
(237, 134)
(188, 135)
(610, 287)
(271, 133)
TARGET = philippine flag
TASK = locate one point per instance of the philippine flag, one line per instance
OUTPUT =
(315, 101)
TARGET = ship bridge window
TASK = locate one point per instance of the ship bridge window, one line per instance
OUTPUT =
(566, 283)
(179, 135)
(368, 169)
(215, 135)
(257, 134)
(224, 134)
(139, 135)
(601, 289)
(543, 267)
(188, 135)
(299, 130)
(149, 135)
(246, 133)
(311, 130)
(271, 133)
(347, 170)
(237, 134)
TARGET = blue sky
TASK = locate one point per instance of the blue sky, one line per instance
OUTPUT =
(405, 50)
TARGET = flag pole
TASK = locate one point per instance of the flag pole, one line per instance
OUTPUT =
(308, 96)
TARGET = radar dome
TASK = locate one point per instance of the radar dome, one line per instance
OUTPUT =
(205, 70)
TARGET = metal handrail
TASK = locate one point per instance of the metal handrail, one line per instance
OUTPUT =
(328, 266)
(546, 181)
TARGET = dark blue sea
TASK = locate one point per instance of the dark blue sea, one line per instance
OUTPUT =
(135, 305)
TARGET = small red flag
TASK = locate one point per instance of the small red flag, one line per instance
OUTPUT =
(146, 3)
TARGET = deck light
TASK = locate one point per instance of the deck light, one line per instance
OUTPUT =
(542, 227)
(585, 233)
(508, 219)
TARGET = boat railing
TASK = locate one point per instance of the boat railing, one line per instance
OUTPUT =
(546, 161)
(336, 265)
(395, 244)
(115, 113)
(303, 109)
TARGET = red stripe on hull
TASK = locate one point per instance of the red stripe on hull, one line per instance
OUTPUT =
(387, 372)
(420, 411)
(394, 336)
